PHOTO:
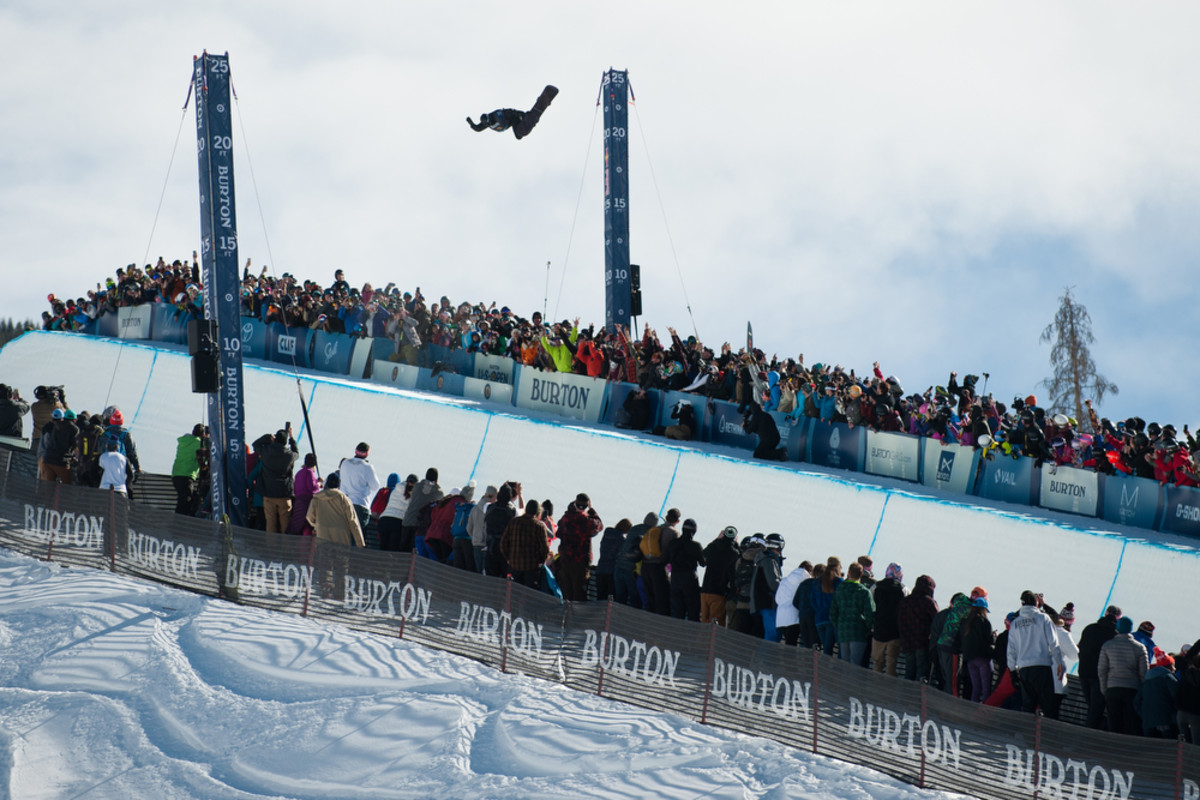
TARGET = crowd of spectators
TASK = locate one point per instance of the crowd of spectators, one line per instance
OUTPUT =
(1128, 683)
(956, 412)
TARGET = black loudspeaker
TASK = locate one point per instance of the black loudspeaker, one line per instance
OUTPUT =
(202, 336)
(205, 375)
(635, 290)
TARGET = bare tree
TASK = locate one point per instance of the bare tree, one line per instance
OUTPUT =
(1075, 378)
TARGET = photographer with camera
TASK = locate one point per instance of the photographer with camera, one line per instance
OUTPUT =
(12, 412)
(45, 400)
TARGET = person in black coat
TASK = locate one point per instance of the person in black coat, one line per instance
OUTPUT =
(720, 555)
(685, 556)
(12, 412)
(1090, 641)
(278, 467)
(759, 423)
(634, 413)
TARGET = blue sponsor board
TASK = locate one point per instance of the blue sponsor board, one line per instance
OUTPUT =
(331, 352)
(837, 445)
(798, 437)
(1130, 501)
(290, 345)
(617, 392)
(1008, 480)
(459, 361)
(726, 427)
(256, 339)
(699, 406)
(170, 324)
(1181, 511)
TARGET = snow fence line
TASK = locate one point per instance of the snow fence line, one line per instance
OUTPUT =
(798, 697)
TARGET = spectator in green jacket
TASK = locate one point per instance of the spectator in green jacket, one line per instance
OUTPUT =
(186, 470)
(853, 615)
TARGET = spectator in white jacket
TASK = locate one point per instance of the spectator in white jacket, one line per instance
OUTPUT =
(787, 616)
(359, 482)
(1035, 657)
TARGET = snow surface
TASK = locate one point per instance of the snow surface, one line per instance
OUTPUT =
(111, 687)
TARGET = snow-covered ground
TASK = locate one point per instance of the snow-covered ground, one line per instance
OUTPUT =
(112, 687)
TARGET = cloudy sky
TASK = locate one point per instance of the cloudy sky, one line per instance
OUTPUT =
(915, 184)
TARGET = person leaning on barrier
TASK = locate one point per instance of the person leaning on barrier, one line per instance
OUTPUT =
(278, 461)
(332, 515)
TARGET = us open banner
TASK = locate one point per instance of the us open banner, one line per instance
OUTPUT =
(1075, 491)
(494, 369)
(950, 467)
(893, 455)
(561, 393)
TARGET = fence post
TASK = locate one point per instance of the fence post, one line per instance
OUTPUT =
(816, 694)
(600, 660)
(312, 550)
(712, 645)
(924, 717)
(50, 538)
(412, 573)
(503, 637)
(954, 674)
(1179, 767)
(112, 530)
(1037, 753)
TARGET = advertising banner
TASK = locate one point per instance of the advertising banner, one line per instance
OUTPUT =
(799, 430)
(391, 373)
(1075, 491)
(950, 468)
(496, 369)
(455, 360)
(489, 391)
(614, 95)
(836, 444)
(1130, 501)
(1008, 480)
(331, 352)
(893, 455)
(1181, 511)
(726, 427)
(169, 323)
(560, 393)
(256, 339)
(360, 357)
(133, 322)
(288, 344)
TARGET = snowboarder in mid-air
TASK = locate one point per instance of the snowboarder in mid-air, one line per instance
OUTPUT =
(521, 122)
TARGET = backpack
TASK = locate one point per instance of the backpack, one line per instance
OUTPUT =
(112, 434)
(651, 544)
(458, 528)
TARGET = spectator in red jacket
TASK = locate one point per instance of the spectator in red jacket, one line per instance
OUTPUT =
(575, 532)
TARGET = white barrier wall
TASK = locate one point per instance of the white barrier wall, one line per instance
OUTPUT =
(627, 475)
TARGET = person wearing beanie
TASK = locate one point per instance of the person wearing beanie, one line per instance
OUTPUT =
(1093, 637)
(978, 646)
(523, 547)
(1122, 668)
(359, 482)
(58, 448)
(447, 535)
(499, 514)
(425, 494)
(305, 486)
(915, 620)
(1067, 615)
(764, 584)
(332, 515)
(117, 431)
(885, 639)
(1144, 634)
(576, 529)
(185, 470)
(1034, 657)
(629, 561)
(606, 563)
(1157, 698)
(684, 556)
(721, 555)
(654, 566)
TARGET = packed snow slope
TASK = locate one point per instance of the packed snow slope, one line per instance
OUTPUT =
(116, 688)
(952, 538)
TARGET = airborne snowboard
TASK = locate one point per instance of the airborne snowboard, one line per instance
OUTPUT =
(531, 117)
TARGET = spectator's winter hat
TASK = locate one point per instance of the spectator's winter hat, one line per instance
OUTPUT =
(979, 592)
(333, 481)
(116, 418)
(1147, 628)
(363, 450)
(894, 571)
(1124, 625)
(730, 532)
(69, 415)
(393, 479)
(1113, 611)
(1008, 620)
(431, 474)
(1068, 614)
(689, 525)
(468, 491)
(1161, 659)
(980, 602)
(489, 492)
(57, 413)
(582, 501)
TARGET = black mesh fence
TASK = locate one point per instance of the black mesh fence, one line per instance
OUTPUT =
(799, 697)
